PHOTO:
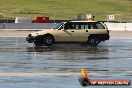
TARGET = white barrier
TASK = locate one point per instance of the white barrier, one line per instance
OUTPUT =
(119, 26)
(2, 26)
(38, 26)
(23, 26)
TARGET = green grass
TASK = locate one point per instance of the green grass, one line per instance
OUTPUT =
(65, 9)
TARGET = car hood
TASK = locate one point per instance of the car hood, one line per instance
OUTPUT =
(45, 31)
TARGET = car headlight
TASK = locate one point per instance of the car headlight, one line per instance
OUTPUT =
(34, 34)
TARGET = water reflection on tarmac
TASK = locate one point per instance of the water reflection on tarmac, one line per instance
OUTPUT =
(59, 66)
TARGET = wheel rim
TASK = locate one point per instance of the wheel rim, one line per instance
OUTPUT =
(93, 42)
(48, 40)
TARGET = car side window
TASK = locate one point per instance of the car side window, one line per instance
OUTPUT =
(85, 25)
(100, 26)
(82, 25)
(69, 25)
(91, 26)
(96, 25)
(78, 25)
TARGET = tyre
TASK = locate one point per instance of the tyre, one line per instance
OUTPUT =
(38, 43)
(93, 41)
(48, 40)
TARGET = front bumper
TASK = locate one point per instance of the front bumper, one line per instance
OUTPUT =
(31, 39)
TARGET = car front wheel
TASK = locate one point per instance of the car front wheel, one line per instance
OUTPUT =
(48, 40)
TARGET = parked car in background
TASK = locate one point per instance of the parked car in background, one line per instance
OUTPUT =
(90, 32)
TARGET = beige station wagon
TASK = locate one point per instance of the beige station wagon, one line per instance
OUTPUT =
(91, 33)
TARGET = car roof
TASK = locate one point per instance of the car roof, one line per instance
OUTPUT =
(84, 21)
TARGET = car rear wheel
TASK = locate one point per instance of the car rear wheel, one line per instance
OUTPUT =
(93, 41)
(48, 40)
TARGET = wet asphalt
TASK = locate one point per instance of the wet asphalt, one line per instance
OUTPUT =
(109, 60)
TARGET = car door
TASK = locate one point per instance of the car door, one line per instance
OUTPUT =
(63, 34)
(73, 32)
(79, 33)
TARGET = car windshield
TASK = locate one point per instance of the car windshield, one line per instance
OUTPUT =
(57, 26)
